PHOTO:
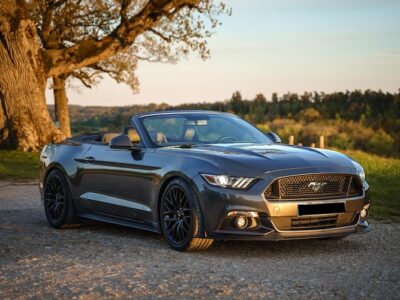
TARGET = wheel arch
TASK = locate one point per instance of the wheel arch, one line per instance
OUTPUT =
(164, 183)
(56, 166)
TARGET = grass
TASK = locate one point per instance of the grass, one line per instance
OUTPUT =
(19, 165)
(383, 176)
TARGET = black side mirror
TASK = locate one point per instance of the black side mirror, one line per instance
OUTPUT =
(274, 137)
(123, 141)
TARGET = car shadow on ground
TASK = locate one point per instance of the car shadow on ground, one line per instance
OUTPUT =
(234, 248)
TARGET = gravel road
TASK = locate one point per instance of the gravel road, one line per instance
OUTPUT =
(100, 260)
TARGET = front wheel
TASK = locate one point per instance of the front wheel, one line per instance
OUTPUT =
(58, 207)
(180, 218)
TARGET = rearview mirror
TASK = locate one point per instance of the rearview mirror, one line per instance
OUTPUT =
(274, 137)
(202, 122)
(123, 141)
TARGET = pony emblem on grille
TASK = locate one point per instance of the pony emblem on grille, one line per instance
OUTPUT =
(316, 186)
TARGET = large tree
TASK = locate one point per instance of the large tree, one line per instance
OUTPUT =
(120, 67)
(26, 61)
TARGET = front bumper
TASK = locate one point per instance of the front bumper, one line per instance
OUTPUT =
(275, 217)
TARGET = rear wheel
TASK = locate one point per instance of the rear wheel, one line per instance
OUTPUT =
(59, 209)
(180, 218)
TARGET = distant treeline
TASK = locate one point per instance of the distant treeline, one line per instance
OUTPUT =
(368, 120)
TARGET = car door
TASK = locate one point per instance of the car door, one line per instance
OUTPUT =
(120, 182)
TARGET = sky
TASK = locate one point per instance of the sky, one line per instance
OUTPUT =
(277, 46)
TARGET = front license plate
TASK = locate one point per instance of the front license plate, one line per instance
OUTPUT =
(320, 209)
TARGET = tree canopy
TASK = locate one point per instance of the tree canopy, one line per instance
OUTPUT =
(82, 38)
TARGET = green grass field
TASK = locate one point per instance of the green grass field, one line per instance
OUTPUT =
(19, 165)
(383, 176)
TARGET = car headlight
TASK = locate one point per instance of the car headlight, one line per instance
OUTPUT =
(228, 181)
(360, 172)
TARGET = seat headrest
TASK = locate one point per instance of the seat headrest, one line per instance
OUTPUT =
(107, 136)
(158, 137)
(133, 135)
(189, 134)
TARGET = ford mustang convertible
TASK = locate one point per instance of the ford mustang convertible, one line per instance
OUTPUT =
(197, 176)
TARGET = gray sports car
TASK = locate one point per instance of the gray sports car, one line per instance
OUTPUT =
(196, 176)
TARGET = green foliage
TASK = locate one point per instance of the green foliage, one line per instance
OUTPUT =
(380, 142)
(310, 114)
(19, 165)
(383, 176)
(338, 133)
(368, 121)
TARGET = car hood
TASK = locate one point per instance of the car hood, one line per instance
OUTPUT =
(253, 160)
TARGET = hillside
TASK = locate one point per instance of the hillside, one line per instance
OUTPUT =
(368, 121)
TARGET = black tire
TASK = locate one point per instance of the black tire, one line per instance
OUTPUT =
(58, 206)
(181, 219)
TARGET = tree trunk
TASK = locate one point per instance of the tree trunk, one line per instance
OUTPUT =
(24, 119)
(61, 104)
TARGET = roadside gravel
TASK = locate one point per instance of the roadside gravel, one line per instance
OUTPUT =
(101, 260)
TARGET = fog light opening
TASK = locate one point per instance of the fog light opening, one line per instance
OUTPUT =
(364, 213)
(241, 222)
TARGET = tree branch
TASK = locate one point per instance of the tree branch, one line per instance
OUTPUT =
(48, 16)
(160, 35)
(90, 51)
(101, 69)
(86, 79)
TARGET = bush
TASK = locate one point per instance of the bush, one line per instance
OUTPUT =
(338, 133)
(342, 141)
(310, 115)
(381, 143)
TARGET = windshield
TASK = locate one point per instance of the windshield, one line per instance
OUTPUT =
(197, 128)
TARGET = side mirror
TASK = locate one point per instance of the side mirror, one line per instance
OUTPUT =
(132, 134)
(123, 141)
(274, 137)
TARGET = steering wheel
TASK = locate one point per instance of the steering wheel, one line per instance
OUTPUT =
(227, 138)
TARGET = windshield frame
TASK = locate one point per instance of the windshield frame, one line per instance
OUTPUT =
(142, 118)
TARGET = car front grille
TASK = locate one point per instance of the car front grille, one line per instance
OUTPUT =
(314, 186)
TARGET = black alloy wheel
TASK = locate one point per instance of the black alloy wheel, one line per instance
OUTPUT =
(54, 198)
(58, 206)
(181, 219)
(177, 215)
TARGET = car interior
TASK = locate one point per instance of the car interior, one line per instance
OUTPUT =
(106, 137)
(188, 134)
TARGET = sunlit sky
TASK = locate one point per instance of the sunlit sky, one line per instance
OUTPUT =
(275, 46)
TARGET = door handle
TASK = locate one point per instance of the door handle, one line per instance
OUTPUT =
(90, 159)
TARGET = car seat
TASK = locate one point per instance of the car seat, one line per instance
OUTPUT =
(107, 136)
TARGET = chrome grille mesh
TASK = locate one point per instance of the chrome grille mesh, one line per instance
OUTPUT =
(311, 186)
(294, 186)
(268, 192)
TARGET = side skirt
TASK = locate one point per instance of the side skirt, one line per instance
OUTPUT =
(121, 221)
